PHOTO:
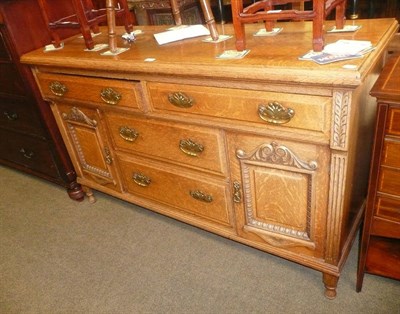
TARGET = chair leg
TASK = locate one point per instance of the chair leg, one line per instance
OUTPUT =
(84, 27)
(128, 19)
(56, 40)
(340, 15)
(209, 18)
(237, 8)
(318, 24)
(176, 13)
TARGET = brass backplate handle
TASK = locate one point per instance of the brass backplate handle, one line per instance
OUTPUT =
(181, 100)
(141, 179)
(237, 194)
(201, 196)
(275, 113)
(12, 116)
(128, 134)
(58, 88)
(108, 159)
(110, 96)
(190, 147)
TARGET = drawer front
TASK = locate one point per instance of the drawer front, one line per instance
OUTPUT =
(393, 125)
(391, 153)
(4, 54)
(263, 108)
(19, 116)
(389, 181)
(103, 91)
(201, 196)
(383, 257)
(10, 80)
(29, 152)
(388, 208)
(178, 143)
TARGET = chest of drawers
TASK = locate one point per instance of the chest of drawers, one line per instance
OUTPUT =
(380, 243)
(29, 137)
(268, 150)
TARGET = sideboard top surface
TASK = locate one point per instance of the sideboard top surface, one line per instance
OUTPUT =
(271, 59)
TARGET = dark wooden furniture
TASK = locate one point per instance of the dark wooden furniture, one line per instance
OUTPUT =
(266, 11)
(380, 243)
(29, 138)
(268, 150)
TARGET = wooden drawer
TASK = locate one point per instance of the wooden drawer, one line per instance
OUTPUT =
(383, 257)
(393, 125)
(389, 181)
(4, 53)
(29, 152)
(388, 208)
(10, 80)
(19, 116)
(193, 146)
(111, 92)
(173, 187)
(309, 112)
(391, 153)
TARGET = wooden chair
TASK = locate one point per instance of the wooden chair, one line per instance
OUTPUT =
(264, 11)
(207, 12)
(84, 16)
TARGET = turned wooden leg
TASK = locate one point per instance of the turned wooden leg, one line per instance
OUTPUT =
(176, 12)
(209, 18)
(330, 282)
(237, 8)
(89, 194)
(75, 191)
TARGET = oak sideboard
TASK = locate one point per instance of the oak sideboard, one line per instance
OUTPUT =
(267, 150)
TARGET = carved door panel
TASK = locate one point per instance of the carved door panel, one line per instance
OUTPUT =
(87, 145)
(280, 192)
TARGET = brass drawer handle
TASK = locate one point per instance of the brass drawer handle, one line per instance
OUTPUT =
(275, 113)
(181, 100)
(27, 155)
(190, 147)
(141, 179)
(110, 96)
(108, 159)
(11, 116)
(201, 196)
(58, 89)
(128, 134)
(237, 194)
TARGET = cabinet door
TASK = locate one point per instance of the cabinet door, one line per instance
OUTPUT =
(87, 145)
(280, 191)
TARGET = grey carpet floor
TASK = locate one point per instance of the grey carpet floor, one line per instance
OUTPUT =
(62, 256)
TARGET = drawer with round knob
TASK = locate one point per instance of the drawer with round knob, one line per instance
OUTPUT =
(307, 112)
(99, 91)
(179, 143)
(199, 195)
(20, 116)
